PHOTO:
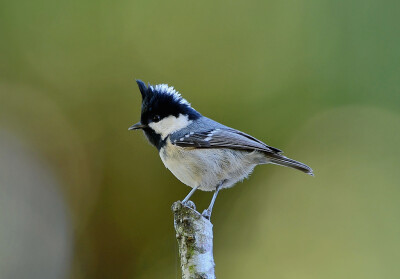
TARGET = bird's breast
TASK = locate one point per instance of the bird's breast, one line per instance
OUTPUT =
(207, 168)
(182, 163)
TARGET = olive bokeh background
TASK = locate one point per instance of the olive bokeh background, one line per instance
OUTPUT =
(82, 197)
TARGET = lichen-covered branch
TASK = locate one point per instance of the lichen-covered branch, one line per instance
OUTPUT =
(195, 240)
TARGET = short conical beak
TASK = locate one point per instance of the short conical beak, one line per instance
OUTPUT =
(137, 126)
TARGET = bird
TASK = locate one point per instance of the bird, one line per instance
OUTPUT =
(201, 153)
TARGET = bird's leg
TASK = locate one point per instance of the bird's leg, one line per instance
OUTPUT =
(207, 213)
(186, 199)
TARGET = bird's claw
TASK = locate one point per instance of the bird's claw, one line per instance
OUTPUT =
(189, 204)
(206, 214)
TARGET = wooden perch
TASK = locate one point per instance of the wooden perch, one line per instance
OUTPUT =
(195, 240)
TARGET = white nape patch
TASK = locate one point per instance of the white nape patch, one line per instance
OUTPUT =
(170, 90)
(170, 124)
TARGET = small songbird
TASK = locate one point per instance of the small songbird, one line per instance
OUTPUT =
(201, 152)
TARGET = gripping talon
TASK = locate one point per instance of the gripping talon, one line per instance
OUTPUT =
(206, 214)
(189, 204)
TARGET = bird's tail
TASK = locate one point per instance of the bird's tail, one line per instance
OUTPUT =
(281, 160)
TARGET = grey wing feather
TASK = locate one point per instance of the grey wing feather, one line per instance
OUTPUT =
(220, 136)
(211, 134)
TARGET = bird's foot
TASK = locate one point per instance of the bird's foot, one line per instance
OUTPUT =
(207, 214)
(189, 204)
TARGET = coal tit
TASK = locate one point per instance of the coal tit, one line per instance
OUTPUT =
(201, 152)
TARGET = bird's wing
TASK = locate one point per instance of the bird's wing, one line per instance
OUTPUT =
(223, 137)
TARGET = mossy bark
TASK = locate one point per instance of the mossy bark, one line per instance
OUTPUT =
(195, 240)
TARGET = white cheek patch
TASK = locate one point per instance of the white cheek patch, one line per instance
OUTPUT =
(170, 124)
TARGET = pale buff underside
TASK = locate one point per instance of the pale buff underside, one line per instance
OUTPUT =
(191, 168)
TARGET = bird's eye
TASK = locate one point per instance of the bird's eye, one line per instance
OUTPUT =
(156, 118)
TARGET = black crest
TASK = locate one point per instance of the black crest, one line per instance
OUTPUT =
(161, 101)
(142, 88)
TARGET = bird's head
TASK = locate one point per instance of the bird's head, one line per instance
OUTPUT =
(164, 112)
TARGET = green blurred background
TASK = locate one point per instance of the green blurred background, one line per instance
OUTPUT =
(81, 197)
